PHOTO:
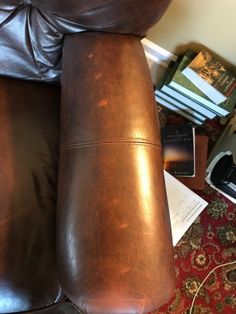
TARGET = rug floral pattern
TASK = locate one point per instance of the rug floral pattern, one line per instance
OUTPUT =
(210, 241)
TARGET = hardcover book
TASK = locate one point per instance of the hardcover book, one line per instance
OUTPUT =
(212, 77)
(201, 150)
(178, 144)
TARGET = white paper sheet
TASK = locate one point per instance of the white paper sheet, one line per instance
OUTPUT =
(184, 206)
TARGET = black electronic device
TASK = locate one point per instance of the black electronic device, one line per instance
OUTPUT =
(223, 175)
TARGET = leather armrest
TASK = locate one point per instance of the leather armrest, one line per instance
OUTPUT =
(114, 241)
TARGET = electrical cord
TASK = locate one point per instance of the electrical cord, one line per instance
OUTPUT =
(202, 283)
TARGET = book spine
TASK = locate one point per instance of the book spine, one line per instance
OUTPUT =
(180, 105)
(177, 110)
(195, 106)
(207, 104)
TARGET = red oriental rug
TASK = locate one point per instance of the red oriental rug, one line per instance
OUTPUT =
(210, 241)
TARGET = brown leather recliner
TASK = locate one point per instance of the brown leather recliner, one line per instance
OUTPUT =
(105, 241)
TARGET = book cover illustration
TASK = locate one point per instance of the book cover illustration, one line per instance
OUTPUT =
(221, 81)
(178, 144)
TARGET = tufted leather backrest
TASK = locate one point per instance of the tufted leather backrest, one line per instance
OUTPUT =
(123, 16)
(32, 31)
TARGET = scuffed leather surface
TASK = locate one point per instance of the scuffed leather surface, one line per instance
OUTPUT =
(114, 243)
(29, 132)
(32, 32)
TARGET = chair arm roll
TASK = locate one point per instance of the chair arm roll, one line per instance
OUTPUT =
(114, 240)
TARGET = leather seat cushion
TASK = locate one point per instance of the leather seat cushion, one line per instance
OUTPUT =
(32, 32)
(29, 137)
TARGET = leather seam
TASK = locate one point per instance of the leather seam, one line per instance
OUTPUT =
(115, 139)
(72, 146)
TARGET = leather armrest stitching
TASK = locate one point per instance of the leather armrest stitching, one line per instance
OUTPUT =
(71, 146)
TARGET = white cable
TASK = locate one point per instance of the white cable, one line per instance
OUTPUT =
(194, 298)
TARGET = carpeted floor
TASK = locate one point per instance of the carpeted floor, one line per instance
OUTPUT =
(211, 241)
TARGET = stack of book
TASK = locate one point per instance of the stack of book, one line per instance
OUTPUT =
(198, 87)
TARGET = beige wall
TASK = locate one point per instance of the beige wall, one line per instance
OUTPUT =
(199, 23)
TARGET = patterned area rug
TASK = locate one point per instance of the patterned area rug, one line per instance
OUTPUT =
(210, 242)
